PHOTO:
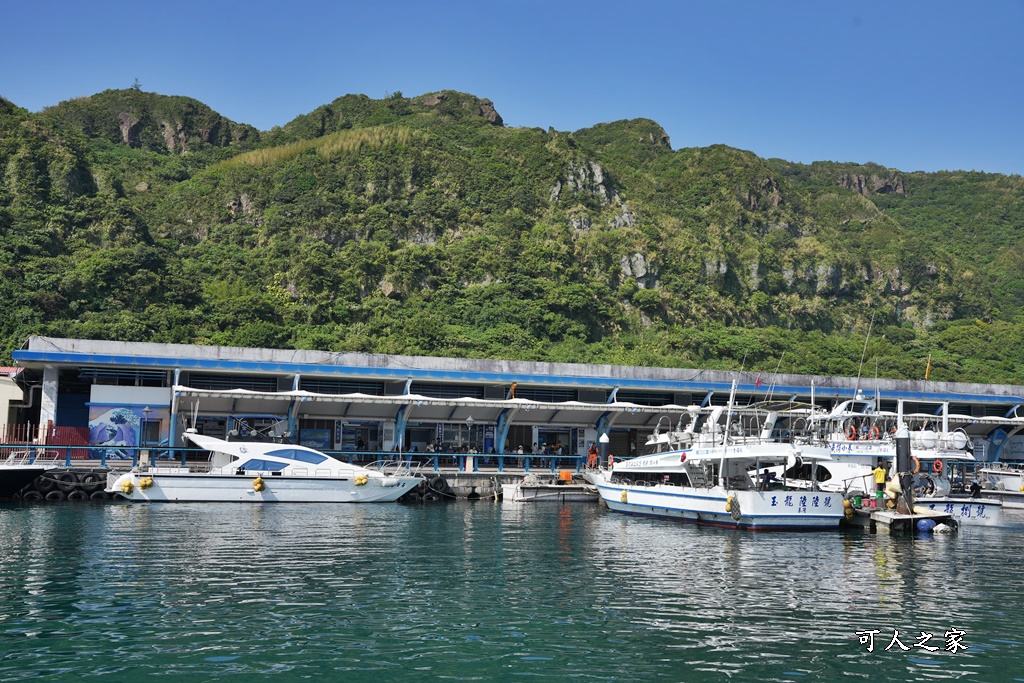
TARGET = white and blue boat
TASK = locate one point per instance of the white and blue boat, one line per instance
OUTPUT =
(711, 473)
(860, 438)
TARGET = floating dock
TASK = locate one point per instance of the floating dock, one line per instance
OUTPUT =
(875, 519)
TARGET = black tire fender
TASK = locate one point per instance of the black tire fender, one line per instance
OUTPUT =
(67, 481)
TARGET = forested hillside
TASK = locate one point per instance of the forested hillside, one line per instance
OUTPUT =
(426, 226)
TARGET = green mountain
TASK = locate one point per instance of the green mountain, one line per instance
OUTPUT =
(426, 226)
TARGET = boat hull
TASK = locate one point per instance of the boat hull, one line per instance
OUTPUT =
(758, 510)
(966, 511)
(173, 487)
(13, 478)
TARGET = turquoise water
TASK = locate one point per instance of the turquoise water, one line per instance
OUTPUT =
(481, 591)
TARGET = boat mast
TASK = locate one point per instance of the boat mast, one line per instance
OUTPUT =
(864, 352)
(814, 417)
(725, 439)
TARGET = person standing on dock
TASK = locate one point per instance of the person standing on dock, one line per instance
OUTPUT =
(879, 473)
(592, 456)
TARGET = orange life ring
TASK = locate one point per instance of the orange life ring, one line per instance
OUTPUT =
(611, 460)
(851, 432)
(917, 465)
(937, 465)
(874, 433)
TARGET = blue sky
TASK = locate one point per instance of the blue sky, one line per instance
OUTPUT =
(910, 85)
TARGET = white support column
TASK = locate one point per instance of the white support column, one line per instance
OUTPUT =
(48, 401)
(388, 439)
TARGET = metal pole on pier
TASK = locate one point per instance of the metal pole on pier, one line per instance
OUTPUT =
(904, 470)
(602, 449)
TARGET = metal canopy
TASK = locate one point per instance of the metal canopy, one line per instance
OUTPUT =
(418, 408)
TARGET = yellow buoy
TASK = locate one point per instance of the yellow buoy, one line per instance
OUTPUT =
(847, 504)
(623, 497)
(146, 483)
(361, 480)
(728, 504)
(258, 485)
(127, 487)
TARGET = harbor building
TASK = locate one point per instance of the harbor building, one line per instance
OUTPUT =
(121, 396)
(10, 393)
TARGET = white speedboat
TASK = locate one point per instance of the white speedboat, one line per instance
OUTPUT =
(264, 472)
(710, 473)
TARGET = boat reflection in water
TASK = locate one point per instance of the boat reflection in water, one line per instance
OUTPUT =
(711, 471)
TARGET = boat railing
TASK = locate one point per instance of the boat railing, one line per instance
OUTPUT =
(1008, 467)
(866, 485)
(38, 457)
(392, 467)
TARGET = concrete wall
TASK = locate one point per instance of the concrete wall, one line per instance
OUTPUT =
(10, 393)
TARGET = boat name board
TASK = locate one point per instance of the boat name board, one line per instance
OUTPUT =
(660, 460)
(800, 502)
(861, 448)
(639, 463)
(967, 510)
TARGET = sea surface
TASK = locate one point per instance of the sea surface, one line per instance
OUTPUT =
(490, 591)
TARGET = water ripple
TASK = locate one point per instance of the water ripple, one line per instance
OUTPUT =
(485, 592)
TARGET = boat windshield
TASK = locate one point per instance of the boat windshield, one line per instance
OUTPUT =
(296, 454)
(257, 465)
(650, 448)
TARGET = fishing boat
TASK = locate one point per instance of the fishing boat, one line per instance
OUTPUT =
(861, 439)
(253, 471)
(966, 509)
(712, 471)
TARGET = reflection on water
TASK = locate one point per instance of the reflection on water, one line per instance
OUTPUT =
(484, 591)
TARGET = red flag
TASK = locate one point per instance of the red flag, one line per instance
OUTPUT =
(757, 383)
